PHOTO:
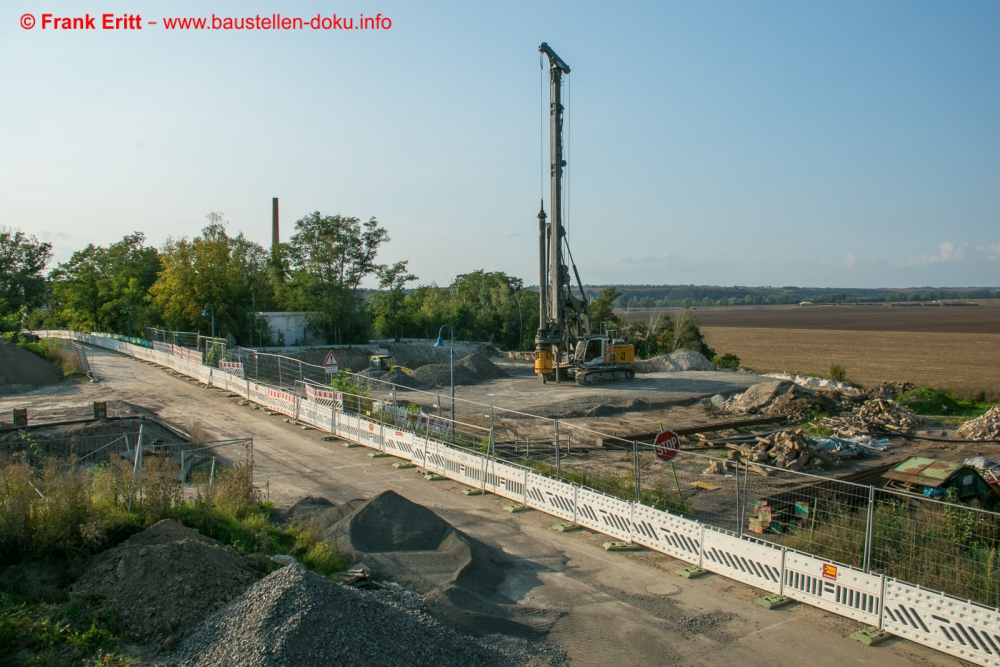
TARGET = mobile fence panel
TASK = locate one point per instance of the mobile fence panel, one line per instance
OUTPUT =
(280, 401)
(371, 434)
(755, 563)
(833, 587)
(433, 458)
(604, 513)
(958, 627)
(548, 495)
(672, 535)
(506, 480)
(348, 427)
(402, 443)
(315, 414)
(464, 467)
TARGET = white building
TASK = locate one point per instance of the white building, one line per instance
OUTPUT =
(289, 329)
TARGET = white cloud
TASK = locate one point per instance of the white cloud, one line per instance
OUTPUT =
(949, 253)
(992, 251)
(850, 259)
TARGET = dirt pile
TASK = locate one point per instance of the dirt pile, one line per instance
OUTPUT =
(21, 370)
(296, 617)
(163, 578)
(878, 415)
(473, 369)
(984, 427)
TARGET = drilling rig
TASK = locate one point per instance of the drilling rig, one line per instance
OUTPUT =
(565, 346)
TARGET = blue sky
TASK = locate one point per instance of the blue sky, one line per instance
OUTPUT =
(849, 144)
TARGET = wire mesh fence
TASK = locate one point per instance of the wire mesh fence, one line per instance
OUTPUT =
(277, 370)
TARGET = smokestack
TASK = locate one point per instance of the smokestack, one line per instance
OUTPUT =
(275, 237)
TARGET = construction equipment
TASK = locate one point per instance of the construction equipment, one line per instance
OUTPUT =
(383, 362)
(565, 346)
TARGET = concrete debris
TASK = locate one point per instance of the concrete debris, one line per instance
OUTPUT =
(296, 617)
(811, 382)
(985, 427)
(758, 396)
(878, 415)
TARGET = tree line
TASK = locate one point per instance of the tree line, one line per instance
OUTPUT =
(130, 286)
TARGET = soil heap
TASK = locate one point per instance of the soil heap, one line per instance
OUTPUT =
(472, 369)
(296, 617)
(385, 378)
(21, 370)
(163, 578)
(984, 427)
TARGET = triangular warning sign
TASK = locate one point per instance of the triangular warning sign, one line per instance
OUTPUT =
(331, 360)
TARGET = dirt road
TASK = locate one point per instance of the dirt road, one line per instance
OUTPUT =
(601, 607)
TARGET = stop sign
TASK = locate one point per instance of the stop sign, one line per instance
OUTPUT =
(666, 445)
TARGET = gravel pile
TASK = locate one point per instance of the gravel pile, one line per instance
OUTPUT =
(396, 377)
(984, 427)
(164, 577)
(296, 617)
(21, 370)
(472, 369)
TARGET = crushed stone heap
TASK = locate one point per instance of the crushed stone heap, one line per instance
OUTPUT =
(163, 578)
(472, 369)
(296, 617)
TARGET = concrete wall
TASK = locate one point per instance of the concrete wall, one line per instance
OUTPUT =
(292, 326)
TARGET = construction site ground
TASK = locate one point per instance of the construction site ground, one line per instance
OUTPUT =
(623, 608)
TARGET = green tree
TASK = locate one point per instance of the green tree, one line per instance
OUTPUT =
(389, 317)
(105, 289)
(328, 257)
(688, 336)
(22, 281)
(602, 311)
(229, 272)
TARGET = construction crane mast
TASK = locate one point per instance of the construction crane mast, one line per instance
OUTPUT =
(564, 335)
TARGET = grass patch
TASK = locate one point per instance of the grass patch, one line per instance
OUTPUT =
(53, 351)
(53, 517)
(927, 401)
(659, 497)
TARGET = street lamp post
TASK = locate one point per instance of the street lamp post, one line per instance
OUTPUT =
(440, 343)
(205, 314)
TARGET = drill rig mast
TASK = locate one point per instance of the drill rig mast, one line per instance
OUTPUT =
(564, 344)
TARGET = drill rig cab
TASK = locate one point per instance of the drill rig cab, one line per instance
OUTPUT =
(565, 347)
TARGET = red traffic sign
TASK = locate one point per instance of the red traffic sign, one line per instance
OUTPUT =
(331, 364)
(666, 445)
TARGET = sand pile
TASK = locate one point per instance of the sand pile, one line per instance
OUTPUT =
(472, 369)
(984, 427)
(21, 370)
(296, 617)
(163, 578)
(681, 360)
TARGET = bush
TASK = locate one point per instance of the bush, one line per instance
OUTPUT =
(838, 373)
(728, 360)
(927, 401)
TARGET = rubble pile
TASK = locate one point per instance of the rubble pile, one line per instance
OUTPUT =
(877, 415)
(778, 397)
(985, 427)
(788, 449)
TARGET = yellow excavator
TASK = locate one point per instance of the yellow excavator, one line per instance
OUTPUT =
(383, 362)
(565, 346)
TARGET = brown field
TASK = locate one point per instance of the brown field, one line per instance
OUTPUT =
(965, 361)
(937, 318)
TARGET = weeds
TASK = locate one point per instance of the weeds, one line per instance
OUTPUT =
(838, 373)
(927, 401)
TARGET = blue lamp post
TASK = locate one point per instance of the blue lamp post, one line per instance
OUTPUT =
(440, 343)
(205, 314)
